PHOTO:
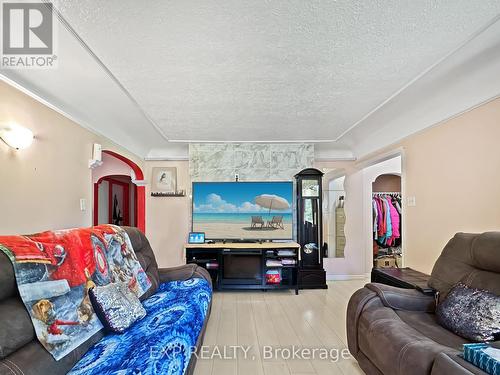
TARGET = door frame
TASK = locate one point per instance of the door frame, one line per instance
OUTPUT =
(137, 176)
(126, 199)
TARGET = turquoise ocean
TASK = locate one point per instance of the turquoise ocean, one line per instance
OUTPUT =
(237, 217)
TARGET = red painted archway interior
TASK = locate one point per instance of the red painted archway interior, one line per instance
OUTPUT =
(139, 195)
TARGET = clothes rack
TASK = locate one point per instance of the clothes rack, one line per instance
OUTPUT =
(387, 217)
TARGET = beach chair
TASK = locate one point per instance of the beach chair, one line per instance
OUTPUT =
(257, 220)
(276, 222)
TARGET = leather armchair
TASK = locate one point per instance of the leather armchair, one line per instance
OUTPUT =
(394, 331)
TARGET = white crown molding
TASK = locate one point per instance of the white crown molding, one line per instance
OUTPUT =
(422, 74)
(327, 159)
(261, 142)
(106, 70)
(140, 182)
(57, 109)
(167, 158)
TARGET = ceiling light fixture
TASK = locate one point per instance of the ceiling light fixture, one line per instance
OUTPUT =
(16, 136)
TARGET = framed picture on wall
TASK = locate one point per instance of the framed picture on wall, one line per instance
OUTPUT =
(164, 179)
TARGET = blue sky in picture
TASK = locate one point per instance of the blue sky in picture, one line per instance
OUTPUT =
(237, 197)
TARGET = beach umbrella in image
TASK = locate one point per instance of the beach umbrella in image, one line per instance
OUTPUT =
(273, 202)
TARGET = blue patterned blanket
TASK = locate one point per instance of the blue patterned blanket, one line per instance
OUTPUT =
(160, 343)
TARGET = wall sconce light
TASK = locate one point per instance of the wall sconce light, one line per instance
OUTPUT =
(16, 136)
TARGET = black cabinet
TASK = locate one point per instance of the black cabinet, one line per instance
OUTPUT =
(309, 200)
(248, 265)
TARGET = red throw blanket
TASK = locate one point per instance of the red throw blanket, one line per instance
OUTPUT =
(54, 271)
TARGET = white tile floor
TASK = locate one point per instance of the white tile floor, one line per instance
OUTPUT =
(313, 319)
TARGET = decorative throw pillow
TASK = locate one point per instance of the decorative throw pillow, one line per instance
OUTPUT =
(471, 313)
(116, 306)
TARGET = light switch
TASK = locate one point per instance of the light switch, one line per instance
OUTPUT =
(83, 204)
(412, 201)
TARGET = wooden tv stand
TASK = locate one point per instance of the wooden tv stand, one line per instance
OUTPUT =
(245, 265)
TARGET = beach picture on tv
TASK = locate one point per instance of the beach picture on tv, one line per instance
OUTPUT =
(243, 210)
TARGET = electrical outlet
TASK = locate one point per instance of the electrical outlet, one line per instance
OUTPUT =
(83, 204)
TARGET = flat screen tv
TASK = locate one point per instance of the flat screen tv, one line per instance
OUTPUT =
(243, 210)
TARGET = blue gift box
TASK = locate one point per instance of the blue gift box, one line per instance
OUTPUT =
(474, 353)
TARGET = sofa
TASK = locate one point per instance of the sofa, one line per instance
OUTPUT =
(394, 331)
(22, 354)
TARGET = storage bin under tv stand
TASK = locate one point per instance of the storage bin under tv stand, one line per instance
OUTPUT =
(242, 265)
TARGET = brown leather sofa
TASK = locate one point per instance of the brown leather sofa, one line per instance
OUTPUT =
(20, 351)
(394, 331)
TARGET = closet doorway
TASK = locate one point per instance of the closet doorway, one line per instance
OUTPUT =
(387, 221)
(383, 216)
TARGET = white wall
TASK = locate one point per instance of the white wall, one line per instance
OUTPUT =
(358, 258)
(103, 212)
(335, 190)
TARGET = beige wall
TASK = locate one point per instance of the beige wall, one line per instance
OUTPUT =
(453, 172)
(168, 219)
(41, 187)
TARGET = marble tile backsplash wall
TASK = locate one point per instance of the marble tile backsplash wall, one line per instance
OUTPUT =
(251, 161)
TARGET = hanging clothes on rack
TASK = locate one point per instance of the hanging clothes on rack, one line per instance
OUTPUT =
(386, 209)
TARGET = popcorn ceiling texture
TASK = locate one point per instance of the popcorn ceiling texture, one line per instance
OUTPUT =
(253, 162)
(258, 70)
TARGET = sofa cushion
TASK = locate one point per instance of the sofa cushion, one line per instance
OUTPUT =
(160, 343)
(471, 313)
(485, 252)
(473, 259)
(427, 325)
(8, 286)
(16, 329)
(393, 346)
(116, 306)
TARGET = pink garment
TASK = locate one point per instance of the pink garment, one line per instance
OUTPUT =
(395, 221)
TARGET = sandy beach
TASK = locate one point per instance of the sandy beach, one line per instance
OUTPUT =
(242, 230)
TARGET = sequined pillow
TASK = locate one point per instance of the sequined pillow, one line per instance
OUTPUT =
(473, 314)
(116, 306)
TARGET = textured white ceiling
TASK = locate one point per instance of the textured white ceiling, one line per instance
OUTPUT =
(269, 70)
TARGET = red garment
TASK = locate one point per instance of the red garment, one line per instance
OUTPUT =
(382, 228)
(395, 223)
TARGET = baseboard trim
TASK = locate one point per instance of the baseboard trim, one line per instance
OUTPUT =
(347, 277)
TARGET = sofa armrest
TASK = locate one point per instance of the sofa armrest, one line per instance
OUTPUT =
(403, 299)
(183, 272)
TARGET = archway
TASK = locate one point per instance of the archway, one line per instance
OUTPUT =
(134, 172)
(383, 188)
